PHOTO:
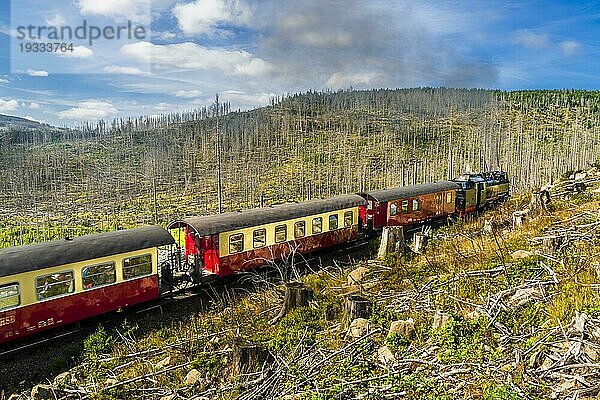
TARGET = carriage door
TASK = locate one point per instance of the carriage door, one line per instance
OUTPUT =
(210, 254)
(193, 254)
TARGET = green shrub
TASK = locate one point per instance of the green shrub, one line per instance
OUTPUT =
(461, 340)
(97, 343)
(396, 341)
(208, 363)
(493, 391)
(302, 324)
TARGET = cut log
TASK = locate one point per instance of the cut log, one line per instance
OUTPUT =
(296, 295)
(421, 240)
(392, 240)
(358, 307)
(248, 357)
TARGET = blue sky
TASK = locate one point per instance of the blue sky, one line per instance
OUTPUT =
(249, 51)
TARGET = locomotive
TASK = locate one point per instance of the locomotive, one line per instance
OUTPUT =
(52, 284)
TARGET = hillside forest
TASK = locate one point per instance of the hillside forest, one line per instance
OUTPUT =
(152, 170)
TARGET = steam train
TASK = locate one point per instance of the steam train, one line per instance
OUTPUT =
(52, 284)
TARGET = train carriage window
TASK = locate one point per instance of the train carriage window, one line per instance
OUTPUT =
(348, 218)
(393, 209)
(236, 243)
(404, 206)
(137, 266)
(52, 285)
(280, 233)
(438, 199)
(299, 229)
(448, 197)
(99, 275)
(333, 222)
(317, 225)
(415, 205)
(259, 238)
(10, 296)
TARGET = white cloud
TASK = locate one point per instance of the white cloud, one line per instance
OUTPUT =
(192, 56)
(294, 21)
(56, 19)
(78, 52)
(240, 97)
(163, 107)
(33, 72)
(208, 16)
(570, 47)
(532, 40)
(35, 106)
(541, 41)
(118, 69)
(8, 105)
(167, 35)
(188, 93)
(2, 80)
(326, 39)
(89, 110)
(340, 80)
(134, 10)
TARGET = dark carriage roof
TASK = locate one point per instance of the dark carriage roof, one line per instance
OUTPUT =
(410, 191)
(31, 257)
(213, 224)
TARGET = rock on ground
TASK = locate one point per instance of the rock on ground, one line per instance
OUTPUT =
(524, 296)
(42, 392)
(162, 364)
(357, 276)
(62, 379)
(359, 327)
(385, 356)
(404, 328)
(192, 377)
(521, 254)
(110, 382)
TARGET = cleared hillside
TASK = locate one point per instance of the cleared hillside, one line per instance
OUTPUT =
(155, 170)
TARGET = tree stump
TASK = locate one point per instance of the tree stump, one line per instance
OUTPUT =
(551, 245)
(488, 227)
(296, 295)
(330, 312)
(421, 240)
(248, 357)
(579, 187)
(392, 240)
(518, 218)
(358, 307)
(539, 200)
